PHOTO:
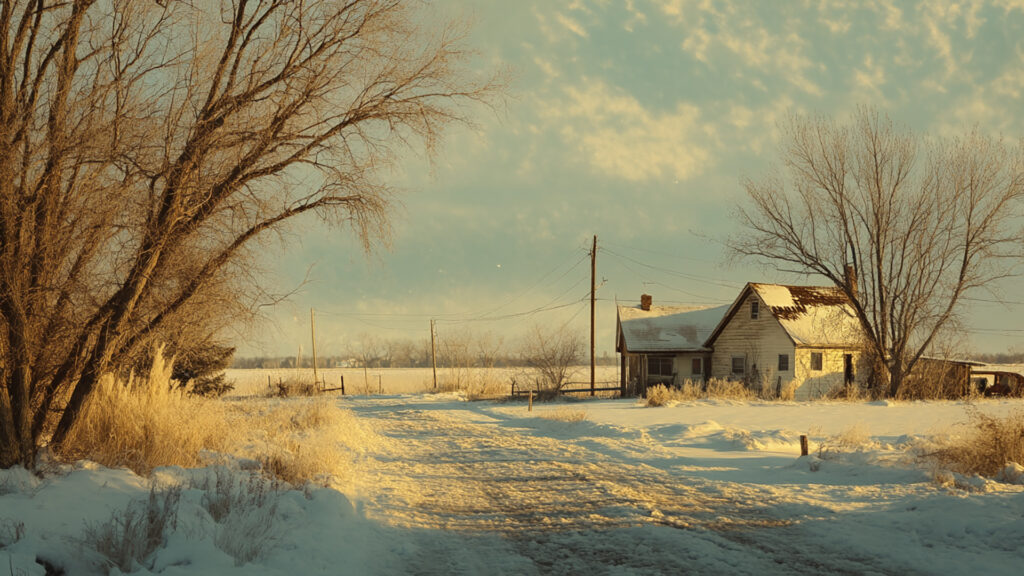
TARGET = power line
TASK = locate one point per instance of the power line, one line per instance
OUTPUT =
(660, 253)
(695, 278)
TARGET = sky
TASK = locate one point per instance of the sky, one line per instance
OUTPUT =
(636, 121)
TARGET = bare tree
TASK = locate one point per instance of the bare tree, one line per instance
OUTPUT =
(145, 146)
(553, 353)
(906, 225)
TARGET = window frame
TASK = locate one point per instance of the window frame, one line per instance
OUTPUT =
(783, 362)
(660, 362)
(817, 361)
(743, 366)
(697, 363)
(755, 309)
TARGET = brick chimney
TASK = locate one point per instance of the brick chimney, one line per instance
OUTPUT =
(851, 279)
(645, 302)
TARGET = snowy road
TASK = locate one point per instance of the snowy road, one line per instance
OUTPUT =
(486, 490)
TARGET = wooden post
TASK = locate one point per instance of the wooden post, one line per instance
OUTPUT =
(433, 353)
(342, 384)
(803, 445)
(269, 385)
(312, 333)
(593, 273)
(380, 384)
(530, 408)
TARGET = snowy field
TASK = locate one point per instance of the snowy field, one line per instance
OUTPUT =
(256, 382)
(580, 487)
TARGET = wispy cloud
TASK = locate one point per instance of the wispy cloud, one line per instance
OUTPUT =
(612, 132)
(571, 24)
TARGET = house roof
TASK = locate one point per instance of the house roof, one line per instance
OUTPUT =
(668, 328)
(810, 315)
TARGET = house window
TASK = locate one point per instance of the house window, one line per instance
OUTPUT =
(755, 309)
(815, 360)
(783, 362)
(739, 365)
(659, 366)
(696, 367)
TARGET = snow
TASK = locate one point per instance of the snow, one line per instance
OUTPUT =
(668, 328)
(818, 316)
(456, 487)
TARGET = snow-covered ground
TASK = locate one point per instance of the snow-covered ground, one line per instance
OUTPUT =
(591, 487)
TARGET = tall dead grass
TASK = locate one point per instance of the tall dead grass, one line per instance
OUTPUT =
(145, 423)
(690, 391)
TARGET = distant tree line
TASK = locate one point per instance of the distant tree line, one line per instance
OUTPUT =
(465, 349)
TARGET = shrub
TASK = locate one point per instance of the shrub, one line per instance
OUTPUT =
(244, 506)
(689, 391)
(294, 387)
(987, 448)
(133, 534)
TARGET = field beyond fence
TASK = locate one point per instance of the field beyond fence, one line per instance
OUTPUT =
(487, 381)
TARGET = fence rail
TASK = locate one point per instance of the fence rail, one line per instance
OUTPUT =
(519, 391)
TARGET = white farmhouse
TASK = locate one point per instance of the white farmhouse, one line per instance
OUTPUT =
(804, 337)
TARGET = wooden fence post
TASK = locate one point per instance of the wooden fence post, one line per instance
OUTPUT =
(530, 409)
(803, 445)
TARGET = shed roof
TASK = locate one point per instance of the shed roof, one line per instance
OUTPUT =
(980, 368)
(668, 328)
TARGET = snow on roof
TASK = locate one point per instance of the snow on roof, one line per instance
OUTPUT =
(999, 368)
(668, 328)
(812, 315)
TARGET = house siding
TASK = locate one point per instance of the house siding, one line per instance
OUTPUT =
(636, 377)
(818, 383)
(759, 341)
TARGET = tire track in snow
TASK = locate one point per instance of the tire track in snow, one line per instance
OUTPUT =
(463, 473)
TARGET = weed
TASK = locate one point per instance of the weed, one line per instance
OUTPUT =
(988, 447)
(10, 531)
(133, 534)
(564, 415)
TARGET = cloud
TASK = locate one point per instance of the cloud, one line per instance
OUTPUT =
(616, 135)
(571, 24)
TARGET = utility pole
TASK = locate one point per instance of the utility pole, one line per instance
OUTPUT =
(433, 353)
(312, 334)
(593, 274)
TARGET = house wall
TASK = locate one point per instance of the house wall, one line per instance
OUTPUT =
(817, 383)
(684, 367)
(760, 341)
(636, 379)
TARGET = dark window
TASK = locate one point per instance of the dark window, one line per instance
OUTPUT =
(815, 360)
(739, 364)
(659, 366)
(783, 362)
(755, 308)
(696, 367)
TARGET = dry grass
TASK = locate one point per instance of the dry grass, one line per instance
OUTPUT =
(854, 439)
(564, 415)
(133, 534)
(988, 447)
(293, 387)
(690, 391)
(144, 423)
